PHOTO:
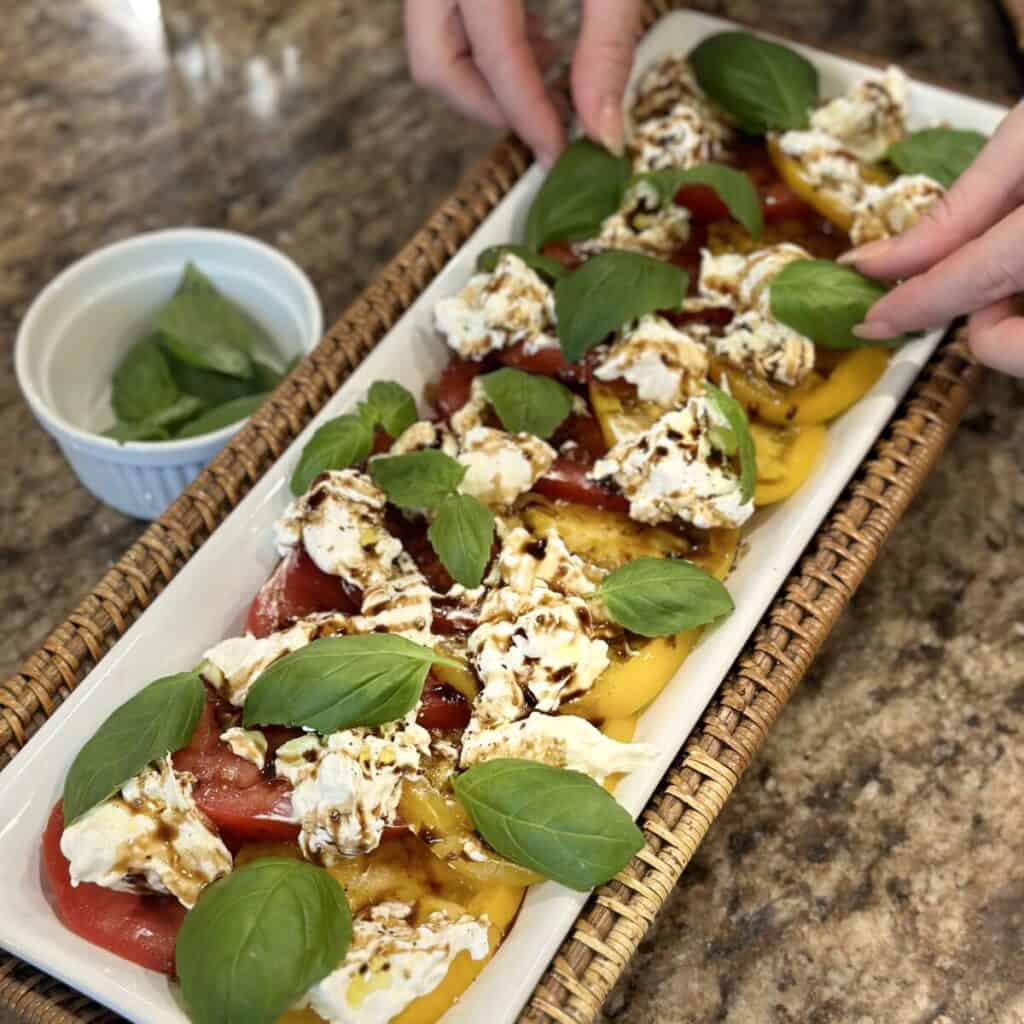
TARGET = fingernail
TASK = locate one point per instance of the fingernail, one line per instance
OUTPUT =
(870, 251)
(610, 125)
(877, 330)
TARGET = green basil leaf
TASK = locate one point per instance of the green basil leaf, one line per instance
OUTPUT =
(609, 290)
(183, 408)
(662, 596)
(419, 479)
(741, 440)
(584, 187)
(764, 86)
(527, 402)
(212, 388)
(256, 941)
(143, 383)
(391, 406)
(203, 328)
(941, 153)
(223, 415)
(544, 265)
(338, 444)
(342, 682)
(143, 431)
(824, 301)
(733, 187)
(158, 720)
(557, 822)
(461, 535)
(264, 377)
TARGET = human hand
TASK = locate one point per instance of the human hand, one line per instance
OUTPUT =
(486, 59)
(966, 256)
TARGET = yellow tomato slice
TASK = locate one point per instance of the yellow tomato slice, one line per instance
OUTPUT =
(785, 458)
(620, 414)
(818, 399)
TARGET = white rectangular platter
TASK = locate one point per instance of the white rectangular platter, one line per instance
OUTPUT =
(207, 601)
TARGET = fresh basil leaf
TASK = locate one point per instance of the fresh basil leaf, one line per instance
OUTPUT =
(342, 682)
(338, 444)
(544, 265)
(419, 479)
(391, 406)
(461, 535)
(557, 822)
(143, 431)
(158, 720)
(527, 402)
(941, 153)
(183, 408)
(662, 596)
(143, 383)
(824, 301)
(223, 415)
(212, 388)
(764, 86)
(264, 376)
(733, 187)
(258, 940)
(741, 440)
(609, 290)
(584, 187)
(203, 328)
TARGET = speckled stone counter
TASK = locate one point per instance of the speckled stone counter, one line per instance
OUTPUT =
(871, 866)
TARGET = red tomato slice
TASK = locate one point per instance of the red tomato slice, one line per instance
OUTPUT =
(455, 383)
(549, 362)
(585, 431)
(567, 480)
(413, 536)
(703, 203)
(297, 588)
(563, 252)
(243, 802)
(780, 202)
(442, 707)
(382, 441)
(140, 928)
(688, 256)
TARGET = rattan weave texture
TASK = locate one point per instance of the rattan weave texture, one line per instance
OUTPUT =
(721, 747)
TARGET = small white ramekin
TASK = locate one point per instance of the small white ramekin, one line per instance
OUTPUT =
(80, 325)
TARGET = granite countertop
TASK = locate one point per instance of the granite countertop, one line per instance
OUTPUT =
(871, 865)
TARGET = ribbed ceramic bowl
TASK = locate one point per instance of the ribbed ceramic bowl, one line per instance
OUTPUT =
(82, 323)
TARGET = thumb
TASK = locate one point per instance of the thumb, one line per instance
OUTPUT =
(601, 65)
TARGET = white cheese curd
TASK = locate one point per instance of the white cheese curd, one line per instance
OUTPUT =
(663, 85)
(765, 347)
(249, 744)
(664, 363)
(869, 118)
(392, 961)
(474, 412)
(827, 165)
(422, 435)
(511, 304)
(889, 210)
(346, 786)
(740, 281)
(149, 838)
(644, 224)
(401, 606)
(526, 560)
(674, 471)
(501, 466)
(340, 520)
(532, 650)
(233, 665)
(686, 135)
(561, 741)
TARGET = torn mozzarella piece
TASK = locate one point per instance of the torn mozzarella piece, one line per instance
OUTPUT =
(391, 962)
(889, 210)
(644, 224)
(233, 665)
(686, 135)
(526, 560)
(501, 466)
(423, 435)
(511, 304)
(346, 786)
(533, 650)
(149, 838)
(827, 165)
(340, 520)
(674, 471)
(869, 118)
(664, 363)
(662, 86)
(561, 741)
(766, 348)
(249, 744)
(400, 606)
(741, 280)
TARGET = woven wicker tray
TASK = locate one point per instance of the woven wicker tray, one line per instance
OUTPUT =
(719, 749)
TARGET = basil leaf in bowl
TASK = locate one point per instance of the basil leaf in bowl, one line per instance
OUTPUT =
(143, 382)
(943, 154)
(763, 86)
(259, 939)
(223, 415)
(554, 821)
